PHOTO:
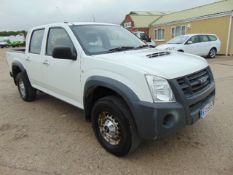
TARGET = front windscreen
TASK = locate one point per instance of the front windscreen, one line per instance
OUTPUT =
(100, 39)
(178, 40)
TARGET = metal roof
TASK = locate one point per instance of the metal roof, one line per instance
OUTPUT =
(196, 12)
(143, 21)
(149, 13)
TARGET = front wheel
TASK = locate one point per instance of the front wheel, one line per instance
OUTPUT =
(212, 53)
(111, 127)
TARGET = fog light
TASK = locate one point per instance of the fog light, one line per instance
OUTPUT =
(168, 121)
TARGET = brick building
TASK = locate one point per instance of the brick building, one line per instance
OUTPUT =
(140, 20)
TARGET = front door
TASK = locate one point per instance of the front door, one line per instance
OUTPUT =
(193, 45)
(61, 76)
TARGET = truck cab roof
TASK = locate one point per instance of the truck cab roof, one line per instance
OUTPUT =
(71, 24)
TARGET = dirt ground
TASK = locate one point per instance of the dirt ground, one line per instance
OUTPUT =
(51, 137)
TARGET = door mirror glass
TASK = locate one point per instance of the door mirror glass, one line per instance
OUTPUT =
(64, 53)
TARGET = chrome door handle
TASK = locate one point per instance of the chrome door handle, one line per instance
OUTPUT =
(46, 62)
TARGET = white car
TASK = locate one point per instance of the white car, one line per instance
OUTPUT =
(207, 45)
(3, 42)
(129, 92)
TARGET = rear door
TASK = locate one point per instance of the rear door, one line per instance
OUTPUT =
(33, 59)
(205, 45)
(61, 76)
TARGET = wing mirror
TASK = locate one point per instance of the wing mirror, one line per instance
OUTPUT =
(189, 42)
(64, 53)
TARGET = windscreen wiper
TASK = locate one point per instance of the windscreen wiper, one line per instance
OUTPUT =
(141, 47)
(123, 48)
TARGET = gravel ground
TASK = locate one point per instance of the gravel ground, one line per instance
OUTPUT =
(51, 137)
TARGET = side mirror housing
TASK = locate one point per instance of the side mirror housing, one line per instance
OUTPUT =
(189, 42)
(64, 53)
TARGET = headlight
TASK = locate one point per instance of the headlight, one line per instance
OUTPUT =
(160, 89)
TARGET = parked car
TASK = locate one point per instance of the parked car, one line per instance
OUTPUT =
(3, 42)
(16, 41)
(207, 45)
(144, 37)
(129, 92)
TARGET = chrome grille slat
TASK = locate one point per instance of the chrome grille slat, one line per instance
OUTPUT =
(194, 83)
(197, 75)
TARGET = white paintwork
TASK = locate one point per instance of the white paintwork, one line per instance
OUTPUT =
(200, 49)
(65, 79)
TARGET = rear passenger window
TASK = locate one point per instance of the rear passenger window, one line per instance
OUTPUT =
(36, 41)
(204, 38)
(58, 37)
(212, 38)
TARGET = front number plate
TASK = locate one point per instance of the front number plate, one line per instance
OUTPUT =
(206, 109)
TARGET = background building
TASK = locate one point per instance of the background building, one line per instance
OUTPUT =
(140, 20)
(213, 18)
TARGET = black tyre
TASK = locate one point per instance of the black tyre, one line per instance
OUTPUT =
(26, 91)
(212, 53)
(111, 127)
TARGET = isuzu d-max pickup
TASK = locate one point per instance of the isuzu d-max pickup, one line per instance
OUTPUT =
(129, 91)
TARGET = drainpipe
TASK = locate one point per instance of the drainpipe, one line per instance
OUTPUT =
(229, 34)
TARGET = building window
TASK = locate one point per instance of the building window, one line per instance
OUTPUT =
(178, 30)
(159, 34)
(128, 25)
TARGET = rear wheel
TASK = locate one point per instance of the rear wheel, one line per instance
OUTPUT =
(212, 53)
(111, 127)
(26, 91)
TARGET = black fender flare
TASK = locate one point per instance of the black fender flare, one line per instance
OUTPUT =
(121, 89)
(20, 67)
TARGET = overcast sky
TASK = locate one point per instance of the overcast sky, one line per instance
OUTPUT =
(23, 14)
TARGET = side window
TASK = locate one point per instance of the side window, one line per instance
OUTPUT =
(204, 38)
(36, 41)
(194, 39)
(58, 37)
(212, 38)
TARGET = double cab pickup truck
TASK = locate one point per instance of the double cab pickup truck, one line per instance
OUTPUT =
(128, 91)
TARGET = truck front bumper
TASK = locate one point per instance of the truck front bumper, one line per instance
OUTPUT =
(157, 120)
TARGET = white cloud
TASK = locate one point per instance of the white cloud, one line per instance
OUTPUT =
(23, 14)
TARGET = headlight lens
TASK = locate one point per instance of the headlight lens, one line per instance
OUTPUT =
(160, 89)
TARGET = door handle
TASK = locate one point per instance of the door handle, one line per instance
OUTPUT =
(46, 62)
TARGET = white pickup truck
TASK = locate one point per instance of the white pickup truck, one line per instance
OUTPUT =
(129, 92)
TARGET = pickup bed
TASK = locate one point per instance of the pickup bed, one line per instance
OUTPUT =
(129, 91)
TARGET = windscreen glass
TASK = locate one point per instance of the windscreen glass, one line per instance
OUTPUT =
(100, 39)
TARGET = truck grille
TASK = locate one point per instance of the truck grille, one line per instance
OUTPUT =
(194, 83)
